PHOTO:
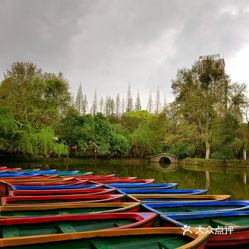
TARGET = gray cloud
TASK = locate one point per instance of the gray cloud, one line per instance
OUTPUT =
(107, 44)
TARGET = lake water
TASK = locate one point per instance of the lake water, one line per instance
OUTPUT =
(218, 179)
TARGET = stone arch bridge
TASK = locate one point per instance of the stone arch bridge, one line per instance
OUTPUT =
(163, 158)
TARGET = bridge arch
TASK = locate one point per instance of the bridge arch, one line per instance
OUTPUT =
(163, 158)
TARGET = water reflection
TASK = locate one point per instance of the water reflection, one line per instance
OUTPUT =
(164, 168)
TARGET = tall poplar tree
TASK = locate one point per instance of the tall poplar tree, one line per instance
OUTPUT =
(150, 104)
(117, 106)
(138, 103)
(101, 105)
(129, 100)
(84, 105)
(79, 100)
(94, 108)
(157, 102)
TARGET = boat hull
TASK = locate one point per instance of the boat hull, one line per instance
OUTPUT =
(163, 191)
(73, 208)
(140, 237)
(154, 198)
(59, 199)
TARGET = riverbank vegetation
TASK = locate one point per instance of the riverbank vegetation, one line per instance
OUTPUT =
(40, 119)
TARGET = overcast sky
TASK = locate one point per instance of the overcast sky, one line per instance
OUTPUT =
(107, 44)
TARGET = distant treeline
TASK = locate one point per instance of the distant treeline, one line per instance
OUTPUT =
(40, 119)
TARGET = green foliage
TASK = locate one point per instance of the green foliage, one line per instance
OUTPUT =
(132, 119)
(34, 96)
(38, 119)
(181, 150)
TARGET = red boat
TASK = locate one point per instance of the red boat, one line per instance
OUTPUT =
(59, 199)
(93, 191)
(122, 180)
(28, 178)
(94, 177)
(69, 181)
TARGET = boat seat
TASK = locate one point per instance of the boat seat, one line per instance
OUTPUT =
(9, 232)
(98, 244)
(217, 222)
(66, 228)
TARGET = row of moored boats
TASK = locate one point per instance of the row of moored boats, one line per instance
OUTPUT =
(62, 209)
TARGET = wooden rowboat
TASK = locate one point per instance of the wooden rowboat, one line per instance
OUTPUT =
(10, 169)
(163, 191)
(121, 180)
(73, 208)
(65, 181)
(19, 174)
(54, 187)
(140, 185)
(150, 198)
(149, 238)
(7, 189)
(228, 228)
(37, 179)
(29, 230)
(185, 208)
(61, 199)
(94, 177)
(93, 191)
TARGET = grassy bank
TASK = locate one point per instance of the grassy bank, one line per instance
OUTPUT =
(214, 162)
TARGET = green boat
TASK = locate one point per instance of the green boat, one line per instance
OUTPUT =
(33, 230)
(85, 208)
(149, 238)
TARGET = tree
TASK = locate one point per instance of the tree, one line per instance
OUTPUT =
(138, 103)
(101, 105)
(164, 104)
(79, 100)
(243, 133)
(109, 107)
(117, 106)
(84, 105)
(8, 128)
(94, 108)
(157, 102)
(198, 96)
(34, 96)
(132, 119)
(150, 104)
(123, 106)
(129, 100)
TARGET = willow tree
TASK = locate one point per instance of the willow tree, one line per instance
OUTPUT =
(201, 94)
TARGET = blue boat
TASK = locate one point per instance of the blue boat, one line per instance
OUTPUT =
(48, 187)
(63, 173)
(164, 191)
(186, 208)
(140, 185)
(18, 174)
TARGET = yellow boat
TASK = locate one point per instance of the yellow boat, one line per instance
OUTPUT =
(148, 198)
